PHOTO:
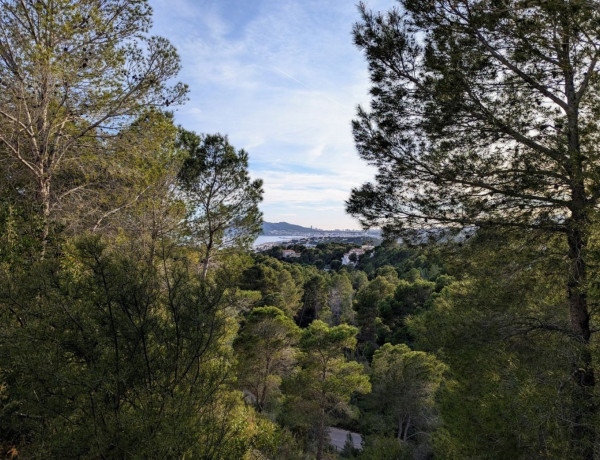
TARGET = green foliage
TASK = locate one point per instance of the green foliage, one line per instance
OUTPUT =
(383, 255)
(359, 279)
(367, 304)
(270, 441)
(19, 230)
(265, 352)
(118, 344)
(322, 387)
(323, 255)
(402, 401)
(505, 335)
(105, 355)
(313, 300)
(340, 298)
(221, 198)
(474, 119)
(484, 115)
(379, 447)
(72, 74)
(279, 283)
(409, 298)
(349, 451)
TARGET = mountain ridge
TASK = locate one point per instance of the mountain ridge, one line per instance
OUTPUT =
(285, 228)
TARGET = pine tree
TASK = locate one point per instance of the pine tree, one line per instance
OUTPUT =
(485, 113)
(73, 74)
(221, 198)
(325, 381)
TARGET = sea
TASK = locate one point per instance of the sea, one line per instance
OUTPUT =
(262, 239)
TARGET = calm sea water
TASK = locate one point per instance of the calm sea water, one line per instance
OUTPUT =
(262, 239)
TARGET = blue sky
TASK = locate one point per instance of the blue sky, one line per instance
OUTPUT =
(282, 79)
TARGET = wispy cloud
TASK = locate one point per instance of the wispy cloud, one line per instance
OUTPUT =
(282, 79)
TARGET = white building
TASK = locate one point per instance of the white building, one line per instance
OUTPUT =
(346, 257)
(359, 252)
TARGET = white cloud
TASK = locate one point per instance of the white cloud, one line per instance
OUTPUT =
(282, 79)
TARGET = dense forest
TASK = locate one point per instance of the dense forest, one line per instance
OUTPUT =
(135, 322)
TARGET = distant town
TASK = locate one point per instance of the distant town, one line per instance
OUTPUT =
(286, 234)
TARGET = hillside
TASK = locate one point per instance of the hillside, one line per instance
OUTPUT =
(286, 229)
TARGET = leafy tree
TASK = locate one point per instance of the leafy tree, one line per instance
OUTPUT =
(138, 178)
(359, 279)
(279, 284)
(222, 200)
(265, 352)
(313, 300)
(404, 385)
(409, 297)
(384, 255)
(367, 305)
(262, 275)
(269, 440)
(335, 265)
(289, 291)
(105, 355)
(388, 272)
(504, 334)
(378, 447)
(324, 253)
(72, 73)
(484, 113)
(325, 381)
(339, 299)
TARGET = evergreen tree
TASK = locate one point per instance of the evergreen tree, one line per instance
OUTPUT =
(222, 200)
(367, 304)
(506, 338)
(404, 385)
(484, 113)
(340, 299)
(313, 300)
(265, 352)
(105, 355)
(325, 382)
(72, 74)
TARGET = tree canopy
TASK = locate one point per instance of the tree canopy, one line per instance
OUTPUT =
(221, 197)
(485, 113)
(72, 75)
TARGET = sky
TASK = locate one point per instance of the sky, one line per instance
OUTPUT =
(282, 79)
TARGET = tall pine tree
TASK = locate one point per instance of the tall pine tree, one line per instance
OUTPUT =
(485, 113)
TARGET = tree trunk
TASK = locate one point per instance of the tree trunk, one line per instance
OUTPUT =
(400, 425)
(204, 268)
(321, 435)
(207, 258)
(584, 435)
(44, 192)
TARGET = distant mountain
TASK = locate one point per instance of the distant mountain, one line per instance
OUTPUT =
(286, 229)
